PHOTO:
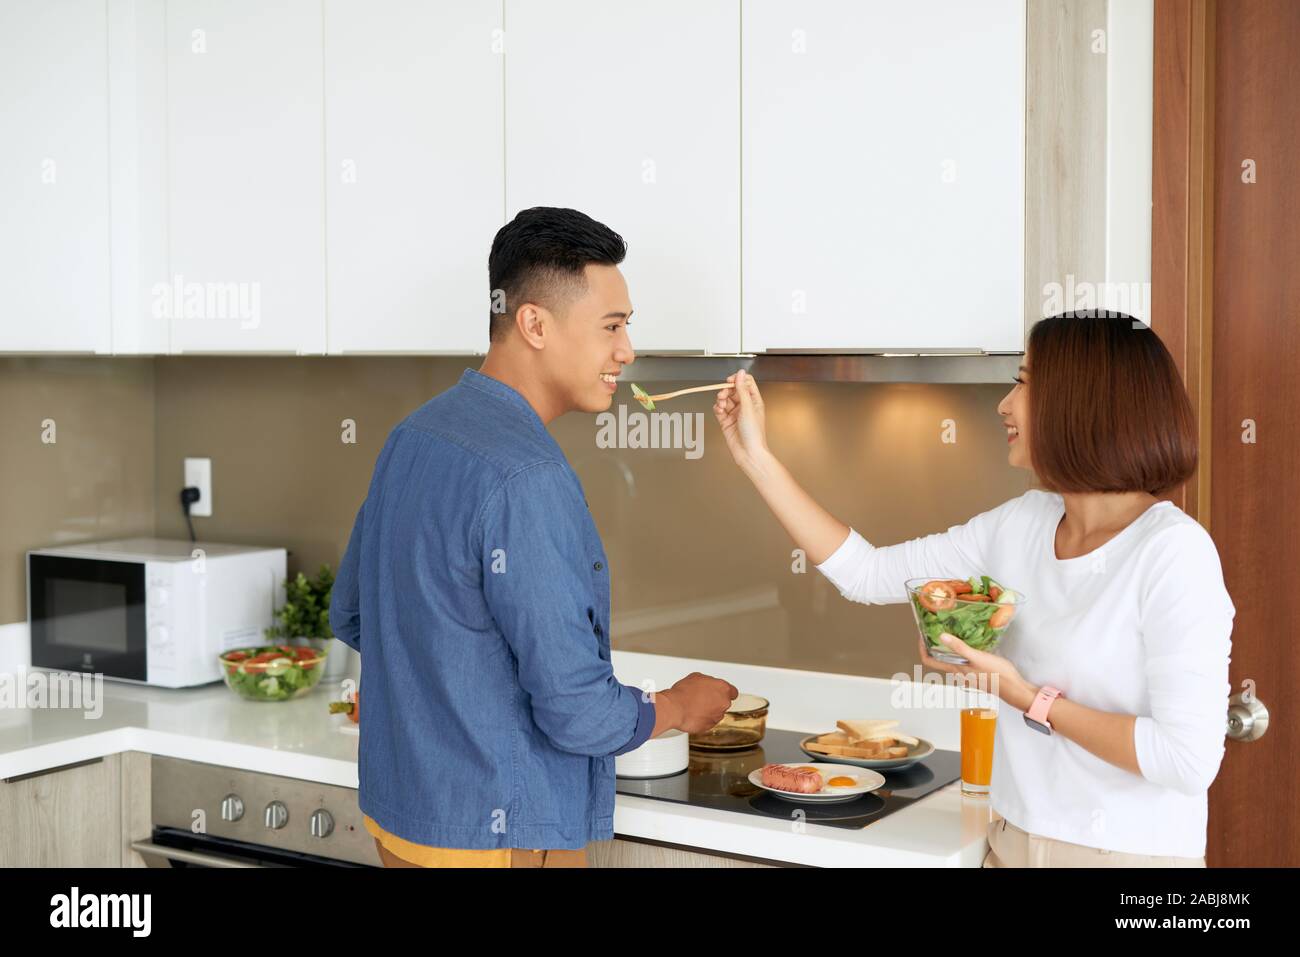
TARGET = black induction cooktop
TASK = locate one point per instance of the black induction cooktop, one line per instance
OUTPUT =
(720, 780)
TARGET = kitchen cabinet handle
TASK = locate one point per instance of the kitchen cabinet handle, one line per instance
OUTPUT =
(62, 767)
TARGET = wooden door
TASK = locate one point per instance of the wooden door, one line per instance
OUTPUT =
(1226, 298)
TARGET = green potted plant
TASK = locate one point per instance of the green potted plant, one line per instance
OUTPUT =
(305, 619)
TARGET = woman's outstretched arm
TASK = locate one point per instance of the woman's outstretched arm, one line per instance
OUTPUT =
(861, 571)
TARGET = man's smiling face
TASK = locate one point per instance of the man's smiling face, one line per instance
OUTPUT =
(590, 343)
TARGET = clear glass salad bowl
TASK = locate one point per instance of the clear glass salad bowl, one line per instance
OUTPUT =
(978, 610)
(272, 672)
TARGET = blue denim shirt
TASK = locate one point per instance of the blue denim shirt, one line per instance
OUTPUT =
(476, 588)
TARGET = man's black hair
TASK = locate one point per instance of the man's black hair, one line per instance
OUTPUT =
(539, 257)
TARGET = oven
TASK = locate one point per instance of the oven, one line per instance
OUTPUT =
(207, 815)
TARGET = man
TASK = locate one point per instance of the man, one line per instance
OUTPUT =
(476, 587)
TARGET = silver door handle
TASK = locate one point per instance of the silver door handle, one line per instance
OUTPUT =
(1247, 718)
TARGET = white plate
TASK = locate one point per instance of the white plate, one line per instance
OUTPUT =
(922, 749)
(867, 779)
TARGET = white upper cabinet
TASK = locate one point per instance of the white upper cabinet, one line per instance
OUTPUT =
(414, 172)
(883, 175)
(245, 139)
(137, 128)
(313, 176)
(630, 112)
(54, 227)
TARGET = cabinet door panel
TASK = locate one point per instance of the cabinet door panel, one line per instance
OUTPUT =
(54, 232)
(246, 188)
(630, 112)
(66, 817)
(414, 172)
(883, 175)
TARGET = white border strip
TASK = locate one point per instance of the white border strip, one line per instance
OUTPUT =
(1130, 91)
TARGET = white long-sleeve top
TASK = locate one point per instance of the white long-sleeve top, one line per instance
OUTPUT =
(1141, 626)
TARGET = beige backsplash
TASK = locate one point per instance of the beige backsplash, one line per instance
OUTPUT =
(76, 458)
(699, 567)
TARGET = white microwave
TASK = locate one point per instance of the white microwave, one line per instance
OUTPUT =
(150, 610)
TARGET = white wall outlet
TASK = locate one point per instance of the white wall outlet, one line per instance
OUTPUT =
(198, 473)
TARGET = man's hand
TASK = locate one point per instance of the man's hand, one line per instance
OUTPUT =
(694, 704)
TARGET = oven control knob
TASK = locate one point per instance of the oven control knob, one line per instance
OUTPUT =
(276, 816)
(322, 823)
(232, 808)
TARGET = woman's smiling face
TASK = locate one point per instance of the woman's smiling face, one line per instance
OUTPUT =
(1014, 409)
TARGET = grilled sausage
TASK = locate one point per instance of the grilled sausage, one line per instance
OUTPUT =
(798, 780)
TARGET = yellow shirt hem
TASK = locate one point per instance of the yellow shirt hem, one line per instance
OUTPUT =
(426, 856)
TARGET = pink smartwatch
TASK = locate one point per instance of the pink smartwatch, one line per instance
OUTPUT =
(1036, 716)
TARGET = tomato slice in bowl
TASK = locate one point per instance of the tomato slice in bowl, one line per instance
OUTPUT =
(937, 596)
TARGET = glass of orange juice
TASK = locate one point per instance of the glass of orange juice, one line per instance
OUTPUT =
(977, 727)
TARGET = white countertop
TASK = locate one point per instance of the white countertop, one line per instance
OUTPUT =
(300, 739)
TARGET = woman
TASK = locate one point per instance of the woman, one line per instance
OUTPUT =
(1121, 650)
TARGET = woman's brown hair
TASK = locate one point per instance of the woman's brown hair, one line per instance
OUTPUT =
(1107, 407)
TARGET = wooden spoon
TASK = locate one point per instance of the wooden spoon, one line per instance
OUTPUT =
(649, 401)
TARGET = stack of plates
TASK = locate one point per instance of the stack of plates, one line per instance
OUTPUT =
(659, 757)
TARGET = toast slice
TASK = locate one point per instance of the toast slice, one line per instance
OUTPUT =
(897, 736)
(861, 730)
(851, 751)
